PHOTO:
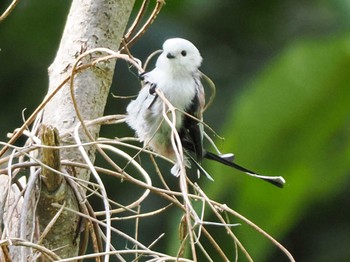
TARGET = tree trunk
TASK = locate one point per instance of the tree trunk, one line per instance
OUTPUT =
(90, 24)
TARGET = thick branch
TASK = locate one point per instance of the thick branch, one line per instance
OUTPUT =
(50, 157)
(90, 24)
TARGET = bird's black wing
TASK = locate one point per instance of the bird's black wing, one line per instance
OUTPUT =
(192, 132)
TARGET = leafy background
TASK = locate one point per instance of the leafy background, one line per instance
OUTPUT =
(282, 71)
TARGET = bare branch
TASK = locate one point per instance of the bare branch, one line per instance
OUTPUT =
(50, 157)
(8, 10)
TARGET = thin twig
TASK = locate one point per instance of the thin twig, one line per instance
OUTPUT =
(177, 147)
(137, 20)
(228, 229)
(50, 224)
(9, 9)
(257, 228)
(148, 23)
(81, 149)
(23, 243)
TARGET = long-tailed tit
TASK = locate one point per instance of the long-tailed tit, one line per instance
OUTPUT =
(177, 75)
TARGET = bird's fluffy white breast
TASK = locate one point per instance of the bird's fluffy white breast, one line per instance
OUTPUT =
(179, 90)
(145, 115)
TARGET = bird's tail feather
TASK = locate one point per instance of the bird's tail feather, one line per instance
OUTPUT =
(275, 180)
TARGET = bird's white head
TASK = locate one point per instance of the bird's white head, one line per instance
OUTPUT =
(179, 55)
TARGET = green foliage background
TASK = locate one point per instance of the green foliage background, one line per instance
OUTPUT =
(282, 71)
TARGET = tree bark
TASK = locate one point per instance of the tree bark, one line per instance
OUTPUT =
(90, 24)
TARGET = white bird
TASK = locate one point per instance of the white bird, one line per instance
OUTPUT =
(177, 75)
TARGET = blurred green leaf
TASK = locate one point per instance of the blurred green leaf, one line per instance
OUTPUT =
(292, 120)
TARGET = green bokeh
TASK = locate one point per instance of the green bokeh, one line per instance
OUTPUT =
(293, 121)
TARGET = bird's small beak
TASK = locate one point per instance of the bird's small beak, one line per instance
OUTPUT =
(170, 56)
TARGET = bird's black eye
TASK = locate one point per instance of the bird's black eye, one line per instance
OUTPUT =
(183, 53)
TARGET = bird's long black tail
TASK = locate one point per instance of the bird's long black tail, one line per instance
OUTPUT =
(275, 180)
